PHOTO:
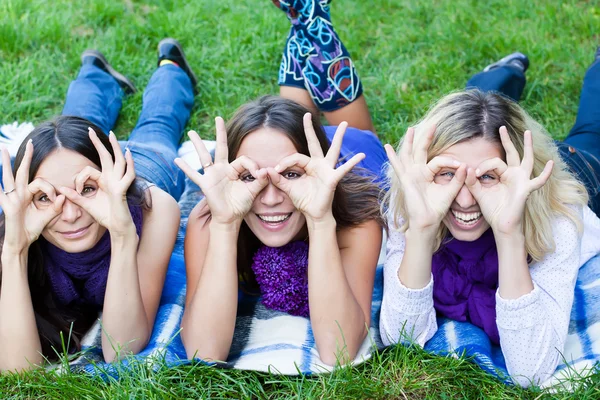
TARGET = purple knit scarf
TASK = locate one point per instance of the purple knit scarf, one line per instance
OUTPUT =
(81, 277)
(282, 275)
(465, 278)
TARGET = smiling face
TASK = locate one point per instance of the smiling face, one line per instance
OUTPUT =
(273, 218)
(74, 230)
(464, 219)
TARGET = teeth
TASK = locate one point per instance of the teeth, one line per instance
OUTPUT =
(468, 218)
(273, 218)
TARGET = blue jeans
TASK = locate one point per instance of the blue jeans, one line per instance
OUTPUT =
(581, 148)
(167, 103)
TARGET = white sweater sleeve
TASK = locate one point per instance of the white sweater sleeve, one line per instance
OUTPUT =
(534, 327)
(407, 315)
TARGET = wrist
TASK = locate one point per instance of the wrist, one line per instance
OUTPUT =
(423, 239)
(126, 230)
(327, 221)
(217, 227)
(512, 240)
(14, 251)
(508, 233)
(14, 258)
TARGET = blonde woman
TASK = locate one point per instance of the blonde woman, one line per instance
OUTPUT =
(488, 224)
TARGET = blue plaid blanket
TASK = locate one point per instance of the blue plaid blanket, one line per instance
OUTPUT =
(582, 348)
(264, 339)
(271, 341)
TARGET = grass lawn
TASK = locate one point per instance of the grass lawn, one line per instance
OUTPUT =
(408, 53)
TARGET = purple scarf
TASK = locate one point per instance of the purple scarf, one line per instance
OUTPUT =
(282, 275)
(465, 278)
(81, 277)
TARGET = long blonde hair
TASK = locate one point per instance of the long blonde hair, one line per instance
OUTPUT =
(470, 114)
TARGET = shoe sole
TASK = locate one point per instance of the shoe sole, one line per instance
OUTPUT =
(505, 61)
(124, 82)
(175, 43)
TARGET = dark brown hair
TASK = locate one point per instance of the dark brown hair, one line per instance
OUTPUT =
(356, 197)
(53, 318)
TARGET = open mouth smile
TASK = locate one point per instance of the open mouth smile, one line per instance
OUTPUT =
(466, 219)
(274, 219)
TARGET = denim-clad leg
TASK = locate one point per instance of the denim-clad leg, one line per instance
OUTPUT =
(507, 80)
(167, 104)
(585, 136)
(510, 81)
(96, 96)
(586, 131)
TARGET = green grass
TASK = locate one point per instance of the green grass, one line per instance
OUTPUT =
(408, 52)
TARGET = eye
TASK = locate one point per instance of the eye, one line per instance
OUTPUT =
(444, 176)
(88, 190)
(487, 177)
(43, 198)
(247, 178)
(291, 175)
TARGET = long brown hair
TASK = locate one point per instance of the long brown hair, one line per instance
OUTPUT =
(356, 198)
(52, 318)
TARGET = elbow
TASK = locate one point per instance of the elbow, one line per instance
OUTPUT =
(7, 367)
(205, 350)
(115, 351)
(533, 375)
(340, 351)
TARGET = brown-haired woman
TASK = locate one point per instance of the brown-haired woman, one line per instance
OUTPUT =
(273, 188)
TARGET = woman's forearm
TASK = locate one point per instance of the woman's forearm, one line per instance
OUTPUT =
(415, 269)
(20, 346)
(338, 322)
(209, 319)
(514, 279)
(407, 312)
(125, 324)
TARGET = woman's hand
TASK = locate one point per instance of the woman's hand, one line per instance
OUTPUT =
(426, 201)
(25, 217)
(103, 194)
(501, 189)
(229, 188)
(310, 182)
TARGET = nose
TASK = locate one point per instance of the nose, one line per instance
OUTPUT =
(271, 195)
(465, 199)
(70, 212)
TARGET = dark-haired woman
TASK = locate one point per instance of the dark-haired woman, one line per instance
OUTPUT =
(84, 230)
(281, 216)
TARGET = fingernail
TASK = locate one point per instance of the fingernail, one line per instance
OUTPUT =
(456, 163)
(477, 171)
(277, 167)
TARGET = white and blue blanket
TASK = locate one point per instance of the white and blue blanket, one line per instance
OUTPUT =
(272, 341)
(582, 348)
(264, 339)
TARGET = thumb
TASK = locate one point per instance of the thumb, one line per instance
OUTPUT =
(261, 180)
(75, 197)
(279, 181)
(54, 210)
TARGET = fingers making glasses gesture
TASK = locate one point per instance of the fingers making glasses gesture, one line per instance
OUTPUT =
(24, 219)
(503, 204)
(229, 188)
(103, 193)
(427, 202)
(312, 191)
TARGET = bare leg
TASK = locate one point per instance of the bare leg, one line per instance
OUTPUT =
(299, 96)
(356, 114)
(316, 69)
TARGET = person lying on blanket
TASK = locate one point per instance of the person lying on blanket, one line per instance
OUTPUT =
(283, 216)
(85, 228)
(488, 224)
